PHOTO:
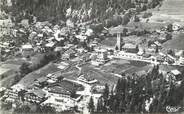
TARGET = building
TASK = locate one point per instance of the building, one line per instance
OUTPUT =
(35, 96)
(69, 54)
(82, 38)
(180, 55)
(59, 91)
(27, 50)
(41, 82)
(101, 57)
(87, 80)
(50, 46)
(131, 48)
(119, 42)
(181, 60)
(11, 94)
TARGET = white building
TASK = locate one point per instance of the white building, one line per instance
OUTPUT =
(101, 57)
(27, 50)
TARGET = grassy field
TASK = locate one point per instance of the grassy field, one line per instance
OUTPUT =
(29, 79)
(176, 43)
(126, 66)
(170, 11)
(103, 77)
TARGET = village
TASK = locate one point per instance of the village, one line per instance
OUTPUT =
(66, 67)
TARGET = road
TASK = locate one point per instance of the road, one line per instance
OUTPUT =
(152, 59)
(86, 93)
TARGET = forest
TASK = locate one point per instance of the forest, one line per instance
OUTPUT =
(84, 10)
(135, 94)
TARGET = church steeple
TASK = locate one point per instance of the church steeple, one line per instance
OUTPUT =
(119, 42)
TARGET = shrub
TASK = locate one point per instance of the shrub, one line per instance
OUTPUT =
(147, 15)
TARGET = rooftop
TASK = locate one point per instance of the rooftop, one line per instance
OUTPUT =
(129, 45)
(175, 72)
(27, 46)
(40, 93)
(50, 44)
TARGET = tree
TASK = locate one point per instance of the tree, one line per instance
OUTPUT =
(22, 109)
(106, 92)
(150, 42)
(91, 105)
(99, 105)
(24, 68)
(115, 106)
(147, 15)
(171, 52)
(118, 85)
(136, 18)
(156, 50)
(47, 109)
(125, 19)
(121, 106)
(168, 36)
(73, 94)
(169, 27)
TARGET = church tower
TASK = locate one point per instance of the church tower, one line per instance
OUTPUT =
(119, 42)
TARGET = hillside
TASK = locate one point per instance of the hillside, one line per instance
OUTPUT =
(83, 10)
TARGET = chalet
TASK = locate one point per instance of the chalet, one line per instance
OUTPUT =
(50, 45)
(59, 50)
(181, 60)
(82, 38)
(69, 54)
(86, 57)
(175, 75)
(175, 72)
(180, 55)
(129, 47)
(98, 89)
(158, 44)
(27, 50)
(12, 95)
(87, 80)
(101, 57)
(59, 91)
(41, 82)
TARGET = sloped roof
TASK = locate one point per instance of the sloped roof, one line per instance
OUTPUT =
(40, 93)
(129, 45)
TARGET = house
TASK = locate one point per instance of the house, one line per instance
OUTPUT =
(130, 47)
(27, 50)
(25, 22)
(41, 82)
(86, 57)
(181, 60)
(175, 72)
(12, 95)
(98, 89)
(35, 96)
(50, 45)
(59, 50)
(69, 54)
(180, 55)
(101, 57)
(59, 91)
(82, 38)
(158, 44)
(88, 81)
